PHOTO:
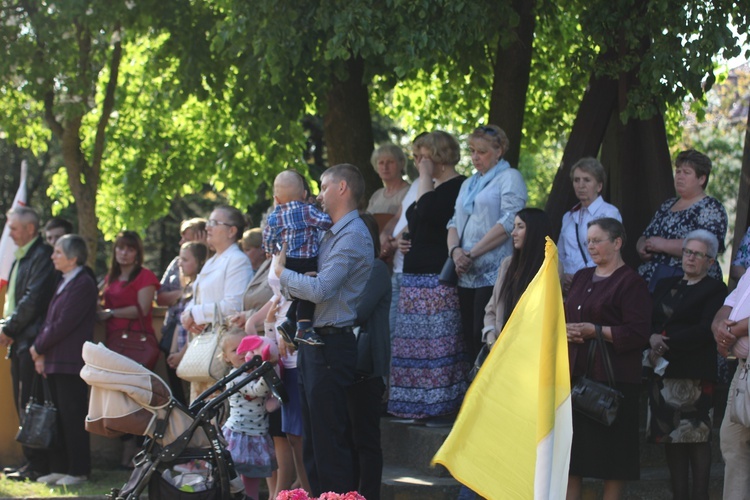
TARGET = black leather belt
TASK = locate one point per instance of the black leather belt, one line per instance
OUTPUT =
(333, 330)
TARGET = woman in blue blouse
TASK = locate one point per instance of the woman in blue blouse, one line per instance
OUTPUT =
(479, 232)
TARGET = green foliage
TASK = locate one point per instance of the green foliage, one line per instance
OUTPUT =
(719, 132)
(666, 45)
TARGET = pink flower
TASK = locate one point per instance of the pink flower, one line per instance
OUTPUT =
(298, 494)
(352, 495)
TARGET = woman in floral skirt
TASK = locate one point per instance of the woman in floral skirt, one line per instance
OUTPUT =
(429, 362)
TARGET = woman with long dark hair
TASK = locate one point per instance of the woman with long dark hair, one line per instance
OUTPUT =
(530, 229)
(531, 226)
(128, 294)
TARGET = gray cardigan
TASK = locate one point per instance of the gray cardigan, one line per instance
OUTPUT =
(373, 309)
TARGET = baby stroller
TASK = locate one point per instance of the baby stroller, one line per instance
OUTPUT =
(184, 455)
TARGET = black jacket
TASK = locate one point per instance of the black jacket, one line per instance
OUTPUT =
(35, 284)
(692, 350)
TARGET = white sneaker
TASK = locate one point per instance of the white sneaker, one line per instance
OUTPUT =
(71, 480)
(50, 478)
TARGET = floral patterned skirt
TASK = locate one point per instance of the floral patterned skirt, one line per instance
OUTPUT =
(679, 410)
(428, 361)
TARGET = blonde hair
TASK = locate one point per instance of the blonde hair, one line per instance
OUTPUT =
(233, 332)
(492, 134)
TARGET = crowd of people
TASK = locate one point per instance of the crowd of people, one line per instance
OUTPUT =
(360, 322)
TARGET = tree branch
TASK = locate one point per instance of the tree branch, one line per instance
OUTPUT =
(49, 114)
(108, 104)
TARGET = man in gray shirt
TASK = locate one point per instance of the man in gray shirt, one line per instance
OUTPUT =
(344, 263)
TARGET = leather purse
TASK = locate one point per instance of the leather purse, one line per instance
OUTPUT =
(202, 360)
(448, 275)
(138, 345)
(593, 399)
(38, 427)
(483, 353)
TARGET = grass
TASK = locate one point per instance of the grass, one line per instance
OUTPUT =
(99, 484)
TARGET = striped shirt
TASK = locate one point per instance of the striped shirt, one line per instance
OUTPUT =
(344, 263)
(297, 224)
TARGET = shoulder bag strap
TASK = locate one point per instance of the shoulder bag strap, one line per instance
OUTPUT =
(580, 247)
(140, 316)
(590, 362)
(47, 392)
(34, 382)
(605, 356)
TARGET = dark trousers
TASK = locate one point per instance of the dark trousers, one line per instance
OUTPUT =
(72, 455)
(472, 302)
(365, 401)
(301, 309)
(175, 384)
(325, 373)
(22, 375)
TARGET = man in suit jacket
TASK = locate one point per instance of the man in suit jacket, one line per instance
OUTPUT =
(30, 288)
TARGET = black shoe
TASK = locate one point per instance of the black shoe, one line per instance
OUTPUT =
(287, 330)
(29, 474)
(11, 470)
(309, 337)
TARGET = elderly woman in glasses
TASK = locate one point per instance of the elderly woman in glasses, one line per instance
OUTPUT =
(221, 284)
(681, 398)
(479, 232)
(613, 299)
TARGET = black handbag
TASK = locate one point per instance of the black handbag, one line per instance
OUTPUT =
(594, 399)
(38, 427)
(483, 352)
(448, 275)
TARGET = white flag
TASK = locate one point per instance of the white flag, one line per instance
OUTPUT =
(7, 247)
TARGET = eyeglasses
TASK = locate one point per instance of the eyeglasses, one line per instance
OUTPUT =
(596, 242)
(488, 130)
(689, 253)
(214, 223)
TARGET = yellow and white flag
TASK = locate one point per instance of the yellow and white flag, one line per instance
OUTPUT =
(512, 437)
(7, 247)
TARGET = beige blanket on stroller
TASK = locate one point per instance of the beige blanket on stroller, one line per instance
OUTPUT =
(127, 398)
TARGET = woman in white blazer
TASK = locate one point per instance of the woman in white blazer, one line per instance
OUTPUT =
(221, 283)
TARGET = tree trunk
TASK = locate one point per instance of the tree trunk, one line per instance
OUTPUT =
(83, 192)
(636, 155)
(511, 79)
(585, 140)
(743, 198)
(347, 125)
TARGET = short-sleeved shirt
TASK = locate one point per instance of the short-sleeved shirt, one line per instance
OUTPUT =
(708, 214)
(743, 252)
(381, 204)
(123, 294)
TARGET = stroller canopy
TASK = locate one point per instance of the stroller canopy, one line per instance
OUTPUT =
(126, 397)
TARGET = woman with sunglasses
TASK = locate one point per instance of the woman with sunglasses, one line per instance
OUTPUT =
(479, 232)
(221, 283)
